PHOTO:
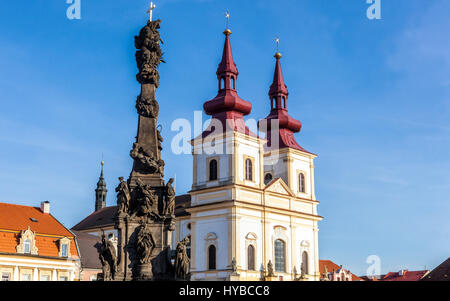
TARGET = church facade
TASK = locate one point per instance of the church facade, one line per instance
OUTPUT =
(253, 210)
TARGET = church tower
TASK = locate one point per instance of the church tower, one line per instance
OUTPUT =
(100, 192)
(284, 157)
(228, 164)
(241, 227)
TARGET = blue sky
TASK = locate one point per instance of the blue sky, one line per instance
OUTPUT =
(373, 97)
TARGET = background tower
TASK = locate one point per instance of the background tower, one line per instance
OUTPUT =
(100, 192)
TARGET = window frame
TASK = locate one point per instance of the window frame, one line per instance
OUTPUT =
(208, 169)
(305, 264)
(252, 161)
(27, 246)
(251, 267)
(209, 257)
(299, 174)
(271, 178)
(8, 278)
(284, 256)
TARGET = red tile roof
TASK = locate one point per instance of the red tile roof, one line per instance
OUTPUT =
(331, 266)
(15, 218)
(407, 276)
(18, 217)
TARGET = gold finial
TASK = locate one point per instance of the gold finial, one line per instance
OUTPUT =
(102, 163)
(227, 30)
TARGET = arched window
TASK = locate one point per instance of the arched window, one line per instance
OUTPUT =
(301, 182)
(248, 169)
(211, 257)
(251, 258)
(284, 102)
(280, 256)
(27, 246)
(268, 178)
(213, 170)
(305, 263)
(233, 83)
(222, 83)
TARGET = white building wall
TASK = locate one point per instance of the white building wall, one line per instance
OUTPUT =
(219, 227)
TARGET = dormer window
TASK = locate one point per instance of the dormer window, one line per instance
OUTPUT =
(64, 250)
(27, 246)
(27, 243)
(64, 247)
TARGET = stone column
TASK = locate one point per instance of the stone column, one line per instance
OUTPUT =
(16, 273)
(35, 274)
(54, 275)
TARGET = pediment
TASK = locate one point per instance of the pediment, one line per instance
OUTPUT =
(278, 186)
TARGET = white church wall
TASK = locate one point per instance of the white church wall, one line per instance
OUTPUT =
(219, 227)
(305, 241)
(211, 197)
(250, 233)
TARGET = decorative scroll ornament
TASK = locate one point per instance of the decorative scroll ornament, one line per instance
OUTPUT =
(147, 107)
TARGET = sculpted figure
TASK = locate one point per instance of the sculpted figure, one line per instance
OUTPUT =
(182, 260)
(148, 160)
(147, 201)
(233, 266)
(107, 256)
(144, 244)
(302, 272)
(170, 199)
(295, 273)
(123, 196)
(270, 272)
(160, 140)
(149, 54)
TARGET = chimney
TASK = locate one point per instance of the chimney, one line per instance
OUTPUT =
(402, 272)
(45, 207)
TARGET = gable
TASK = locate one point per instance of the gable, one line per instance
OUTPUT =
(278, 186)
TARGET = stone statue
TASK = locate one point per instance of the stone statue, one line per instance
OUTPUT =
(325, 275)
(302, 272)
(270, 272)
(160, 140)
(147, 201)
(233, 266)
(169, 199)
(149, 55)
(108, 259)
(144, 244)
(182, 260)
(123, 196)
(295, 273)
(148, 160)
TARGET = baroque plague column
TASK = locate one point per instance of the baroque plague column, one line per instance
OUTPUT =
(145, 218)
